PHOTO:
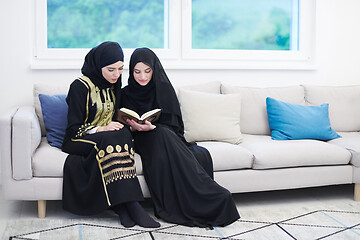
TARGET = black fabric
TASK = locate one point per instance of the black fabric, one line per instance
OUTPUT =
(178, 174)
(99, 172)
(84, 189)
(101, 56)
(181, 191)
(158, 93)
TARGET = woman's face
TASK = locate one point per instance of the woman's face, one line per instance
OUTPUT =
(142, 73)
(113, 71)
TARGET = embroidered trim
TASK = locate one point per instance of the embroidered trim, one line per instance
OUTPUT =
(116, 165)
(107, 157)
(118, 174)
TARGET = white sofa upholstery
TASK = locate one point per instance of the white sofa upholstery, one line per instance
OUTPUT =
(32, 169)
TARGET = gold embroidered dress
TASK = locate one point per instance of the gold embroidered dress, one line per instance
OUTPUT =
(100, 170)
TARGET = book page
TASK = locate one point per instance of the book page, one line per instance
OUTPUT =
(130, 112)
(149, 113)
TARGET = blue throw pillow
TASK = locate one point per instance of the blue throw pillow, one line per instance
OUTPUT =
(54, 109)
(293, 121)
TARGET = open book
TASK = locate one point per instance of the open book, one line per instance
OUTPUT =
(125, 113)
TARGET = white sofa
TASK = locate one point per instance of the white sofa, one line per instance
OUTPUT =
(32, 169)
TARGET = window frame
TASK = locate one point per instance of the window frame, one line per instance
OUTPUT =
(179, 54)
(257, 59)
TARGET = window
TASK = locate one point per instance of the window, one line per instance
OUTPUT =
(245, 25)
(84, 24)
(195, 34)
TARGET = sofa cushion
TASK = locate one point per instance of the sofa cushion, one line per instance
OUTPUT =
(228, 156)
(208, 87)
(292, 121)
(54, 110)
(270, 153)
(49, 89)
(344, 102)
(350, 141)
(49, 161)
(253, 104)
(210, 117)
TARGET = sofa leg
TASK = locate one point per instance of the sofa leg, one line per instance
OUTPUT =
(357, 192)
(41, 208)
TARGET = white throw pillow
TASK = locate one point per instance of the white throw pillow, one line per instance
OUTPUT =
(254, 118)
(211, 117)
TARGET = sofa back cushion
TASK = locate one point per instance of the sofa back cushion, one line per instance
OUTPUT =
(210, 117)
(49, 89)
(54, 110)
(254, 118)
(208, 87)
(344, 104)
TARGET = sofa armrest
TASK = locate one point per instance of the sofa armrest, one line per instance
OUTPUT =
(5, 146)
(26, 137)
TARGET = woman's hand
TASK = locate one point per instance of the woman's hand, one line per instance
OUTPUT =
(134, 126)
(112, 126)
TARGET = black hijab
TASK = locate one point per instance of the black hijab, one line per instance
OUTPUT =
(100, 56)
(158, 93)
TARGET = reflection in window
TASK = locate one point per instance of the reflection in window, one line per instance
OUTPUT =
(86, 23)
(245, 24)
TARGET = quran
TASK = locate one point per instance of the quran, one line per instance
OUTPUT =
(125, 113)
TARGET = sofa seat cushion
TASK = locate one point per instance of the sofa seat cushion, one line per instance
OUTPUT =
(270, 153)
(350, 141)
(48, 161)
(228, 156)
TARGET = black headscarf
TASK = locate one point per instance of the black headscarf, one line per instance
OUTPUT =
(100, 56)
(158, 93)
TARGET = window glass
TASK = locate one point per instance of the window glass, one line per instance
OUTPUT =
(245, 24)
(86, 23)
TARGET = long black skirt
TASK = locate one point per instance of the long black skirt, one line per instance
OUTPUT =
(181, 190)
(100, 172)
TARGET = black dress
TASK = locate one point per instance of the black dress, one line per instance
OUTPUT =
(99, 171)
(181, 189)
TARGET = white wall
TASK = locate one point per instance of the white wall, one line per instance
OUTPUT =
(337, 55)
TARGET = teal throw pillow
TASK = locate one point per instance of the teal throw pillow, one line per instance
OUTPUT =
(54, 109)
(292, 121)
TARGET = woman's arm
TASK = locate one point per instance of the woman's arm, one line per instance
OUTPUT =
(77, 113)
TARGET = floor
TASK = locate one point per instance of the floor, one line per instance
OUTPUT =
(309, 197)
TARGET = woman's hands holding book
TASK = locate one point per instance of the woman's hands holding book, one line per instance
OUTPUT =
(112, 126)
(134, 126)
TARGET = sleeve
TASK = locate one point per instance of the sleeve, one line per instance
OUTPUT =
(77, 100)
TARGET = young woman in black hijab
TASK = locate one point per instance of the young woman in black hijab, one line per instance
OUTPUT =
(181, 189)
(99, 173)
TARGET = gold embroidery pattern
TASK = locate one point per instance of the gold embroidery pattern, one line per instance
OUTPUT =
(104, 158)
(104, 110)
(116, 165)
(82, 130)
(118, 148)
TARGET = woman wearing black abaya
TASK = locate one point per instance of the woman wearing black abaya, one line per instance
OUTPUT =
(99, 173)
(181, 189)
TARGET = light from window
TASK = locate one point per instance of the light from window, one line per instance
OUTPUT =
(245, 24)
(86, 23)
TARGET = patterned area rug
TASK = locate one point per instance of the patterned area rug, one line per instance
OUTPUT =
(282, 223)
